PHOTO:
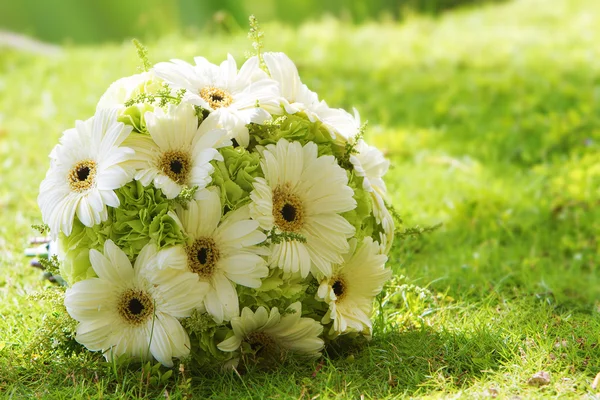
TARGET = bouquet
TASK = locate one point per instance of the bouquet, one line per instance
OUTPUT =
(218, 214)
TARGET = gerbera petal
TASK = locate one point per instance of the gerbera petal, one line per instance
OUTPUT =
(244, 269)
(78, 172)
(113, 178)
(126, 310)
(169, 340)
(88, 294)
(86, 215)
(160, 344)
(106, 270)
(231, 344)
(174, 73)
(221, 300)
(94, 337)
(284, 71)
(289, 332)
(240, 234)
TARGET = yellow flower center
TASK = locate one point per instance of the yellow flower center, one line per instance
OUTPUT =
(176, 165)
(203, 256)
(81, 176)
(215, 97)
(135, 306)
(288, 210)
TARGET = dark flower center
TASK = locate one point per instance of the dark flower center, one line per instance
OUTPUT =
(176, 165)
(288, 211)
(203, 256)
(83, 173)
(338, 288)
(262, 344)
(135, 306)
(81, 176)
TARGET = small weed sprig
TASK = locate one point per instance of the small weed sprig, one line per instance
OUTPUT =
(41, 228)
(57, 330)
(417, 231)
(350, 147)
(161, 98)
(185, 196)
(256, 35)
(51, 265)
(142, 52)
(276, 238)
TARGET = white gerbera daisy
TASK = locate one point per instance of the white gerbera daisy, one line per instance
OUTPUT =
(303, 194)
(342, 125)
(86, 167)
(178, 152)
(370, 163)
(388, 225)
(296, 95)
(298, 98)
(133, 310)
(233, 98)
(125, 89)
(221, 254)
(270, 333)
(352, 286)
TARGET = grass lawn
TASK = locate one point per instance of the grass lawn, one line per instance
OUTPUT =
(491, 118)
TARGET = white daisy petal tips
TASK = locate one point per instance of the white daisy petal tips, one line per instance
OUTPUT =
(270, 334)
(233, 98)
(86, 167)
(178, 152)
(221, 253)
(303, 194)
(133, 310)
(352, 287)
(297, 97)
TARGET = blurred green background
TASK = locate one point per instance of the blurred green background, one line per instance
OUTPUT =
(75, 21)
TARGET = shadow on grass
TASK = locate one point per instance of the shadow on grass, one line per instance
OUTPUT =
(392, 364)
(408, 361)
(456, 356)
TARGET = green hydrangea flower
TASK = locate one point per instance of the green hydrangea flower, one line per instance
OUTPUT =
(144, 214)
(296, 127)
(74, 251)
(234, 176)
(134, 116)
(362, 216)
(275, 291)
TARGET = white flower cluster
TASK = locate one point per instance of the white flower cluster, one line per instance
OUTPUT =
(217, 213)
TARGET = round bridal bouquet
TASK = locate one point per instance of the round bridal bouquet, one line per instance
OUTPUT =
(218, 214)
